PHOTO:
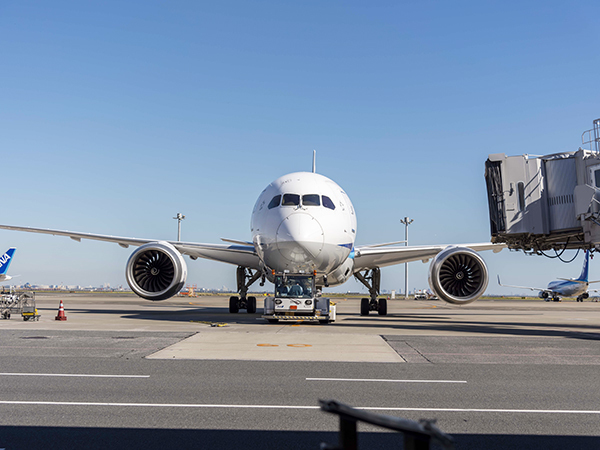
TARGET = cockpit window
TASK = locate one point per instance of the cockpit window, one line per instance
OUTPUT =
(275, 202)
(290, 200)
(327, 203)
(310, 200)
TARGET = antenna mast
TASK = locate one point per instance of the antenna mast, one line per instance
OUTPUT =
(314, 161)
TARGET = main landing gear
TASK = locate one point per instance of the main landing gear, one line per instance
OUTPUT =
(582, 297)
(373, 282)
(243, 302)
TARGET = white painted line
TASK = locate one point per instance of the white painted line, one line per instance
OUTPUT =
(155, 405)
(300, 407)
(83, 375)
(385, 381)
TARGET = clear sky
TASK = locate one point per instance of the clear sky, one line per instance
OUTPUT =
(116, 115)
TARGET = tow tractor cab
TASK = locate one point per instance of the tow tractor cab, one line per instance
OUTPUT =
(296, 299)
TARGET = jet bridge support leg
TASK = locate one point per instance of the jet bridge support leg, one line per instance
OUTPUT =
(372, 281)
(244, 302)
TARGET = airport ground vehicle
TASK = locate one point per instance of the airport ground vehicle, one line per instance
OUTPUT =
(421, 295)
(18, 303)
(296, 299)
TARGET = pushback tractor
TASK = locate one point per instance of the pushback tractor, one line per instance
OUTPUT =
(296, 299)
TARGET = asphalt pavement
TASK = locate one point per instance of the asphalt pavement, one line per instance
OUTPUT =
(125, 373)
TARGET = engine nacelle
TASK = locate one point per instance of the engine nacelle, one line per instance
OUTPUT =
(156, 271)
(458, 275)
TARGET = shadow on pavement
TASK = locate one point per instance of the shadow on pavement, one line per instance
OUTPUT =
(50, 438)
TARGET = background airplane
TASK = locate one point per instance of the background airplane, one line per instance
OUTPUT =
(564, 287)
(5, 261)
(301, 222)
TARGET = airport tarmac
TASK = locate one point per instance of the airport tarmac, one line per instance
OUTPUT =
(123, 372)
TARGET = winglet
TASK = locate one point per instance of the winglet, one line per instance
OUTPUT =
(5, 260)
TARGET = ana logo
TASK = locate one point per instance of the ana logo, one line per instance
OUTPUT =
(4, 258)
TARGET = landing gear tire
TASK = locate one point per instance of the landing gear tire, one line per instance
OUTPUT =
(382, 308)
(273, 320)
(324, 322)
(251, 305)
(364, 306)
(555, 299)
(233, 305)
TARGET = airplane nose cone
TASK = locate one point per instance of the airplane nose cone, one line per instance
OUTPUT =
(300, 238)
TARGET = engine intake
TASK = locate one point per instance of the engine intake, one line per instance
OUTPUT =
(156, 271)
(458, 275)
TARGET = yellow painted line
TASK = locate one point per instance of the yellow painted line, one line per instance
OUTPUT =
(299, 345)
(267, 345)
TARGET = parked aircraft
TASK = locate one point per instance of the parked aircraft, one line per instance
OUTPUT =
(5, 261)
(301, 222)
(564, 287)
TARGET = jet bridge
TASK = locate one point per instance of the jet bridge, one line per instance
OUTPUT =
(538, 203)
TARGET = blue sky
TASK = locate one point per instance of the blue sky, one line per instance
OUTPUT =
(114, 116)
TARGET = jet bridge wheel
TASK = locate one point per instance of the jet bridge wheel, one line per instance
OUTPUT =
(251, 305)
(364, 307)
(233, 305)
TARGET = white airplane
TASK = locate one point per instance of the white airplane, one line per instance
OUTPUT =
(5, 261)
(301, 222)
(564, 287)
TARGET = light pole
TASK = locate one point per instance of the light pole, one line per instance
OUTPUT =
(179, 218)
(406, 221)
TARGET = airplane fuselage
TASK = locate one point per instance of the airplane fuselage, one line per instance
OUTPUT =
(305, 222)
(565, 288)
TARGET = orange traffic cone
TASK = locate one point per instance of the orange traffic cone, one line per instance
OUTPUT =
(61, 312)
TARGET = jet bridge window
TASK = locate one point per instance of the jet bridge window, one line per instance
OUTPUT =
(290, 200)
(327, 203)
(274, 203)
(597, 178)
(521, 195)
(311, 200)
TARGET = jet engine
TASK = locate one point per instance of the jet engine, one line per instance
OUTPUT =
(156, 271)
(458, 275)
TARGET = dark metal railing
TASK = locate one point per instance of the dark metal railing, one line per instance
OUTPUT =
(417, 435)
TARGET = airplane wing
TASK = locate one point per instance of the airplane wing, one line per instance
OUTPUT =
(369, 256)
(243, 255)
(525, 287)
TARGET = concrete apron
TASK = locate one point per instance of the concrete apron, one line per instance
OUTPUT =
(288, 346)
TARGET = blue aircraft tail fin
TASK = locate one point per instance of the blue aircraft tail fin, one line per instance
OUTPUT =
(5, 260)
(584, 270)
